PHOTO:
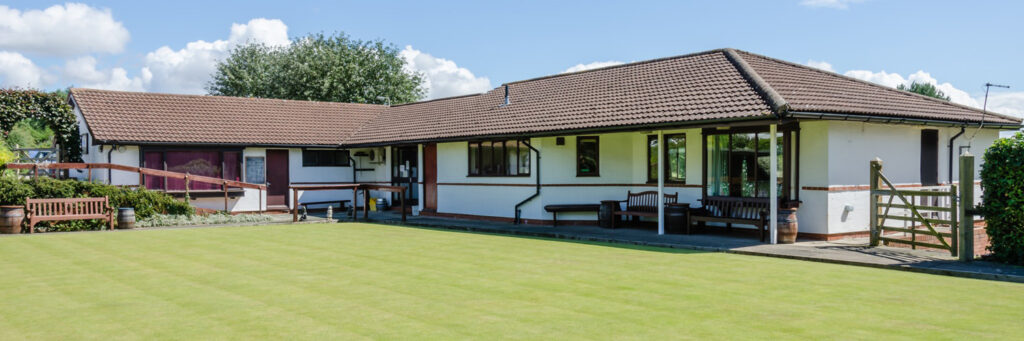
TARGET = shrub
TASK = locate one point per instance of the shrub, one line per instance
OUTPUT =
(146, 203)
(14, 191)
(1002, 181)
(217, 218)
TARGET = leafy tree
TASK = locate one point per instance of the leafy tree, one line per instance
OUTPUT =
(926, 89)
(319, 68)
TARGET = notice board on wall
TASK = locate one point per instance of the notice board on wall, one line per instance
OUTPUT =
(255, 170)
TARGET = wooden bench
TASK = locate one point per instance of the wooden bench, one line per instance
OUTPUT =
(734, 210)
(341, 203)
(554, 209)
(643, 204)
(65, 209)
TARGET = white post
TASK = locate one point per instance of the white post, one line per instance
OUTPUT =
(773, 185)
(661, 182)
(419, 177)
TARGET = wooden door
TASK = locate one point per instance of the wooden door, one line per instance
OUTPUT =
(430, 177)
(277, 177)
(929, 157)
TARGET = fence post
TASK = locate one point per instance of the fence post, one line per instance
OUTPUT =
(966, 204)
(953, 222)
(876, 167)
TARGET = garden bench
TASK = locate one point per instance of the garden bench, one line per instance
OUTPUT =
(65, 209)
(643, 204)
(341, 203)
(554, 209)
(733, 210)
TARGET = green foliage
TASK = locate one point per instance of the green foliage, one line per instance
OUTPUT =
(182, 219)
(30, 133)
(17, 105)
(6, 155)
(319, 68)
(146, 203)
(1002, 180)
(926, 89)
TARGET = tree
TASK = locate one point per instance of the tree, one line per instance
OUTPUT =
(926, 89)
(319, 68)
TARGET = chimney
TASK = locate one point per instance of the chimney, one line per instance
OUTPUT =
(507, 102)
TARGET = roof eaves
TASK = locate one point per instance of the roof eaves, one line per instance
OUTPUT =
(774, 99)
(905, 93)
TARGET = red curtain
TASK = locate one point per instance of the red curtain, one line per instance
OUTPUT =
(205, 163)
(154, 160)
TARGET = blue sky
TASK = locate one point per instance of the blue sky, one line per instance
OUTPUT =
(474, 46)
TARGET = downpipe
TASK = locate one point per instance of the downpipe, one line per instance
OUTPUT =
(536, 193)
(962, 129)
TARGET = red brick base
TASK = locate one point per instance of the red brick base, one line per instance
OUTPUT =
(981, 242)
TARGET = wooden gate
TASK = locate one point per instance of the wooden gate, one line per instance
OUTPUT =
(929, 219)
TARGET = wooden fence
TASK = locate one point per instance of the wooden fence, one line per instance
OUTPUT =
(922, 214)
(34, 168)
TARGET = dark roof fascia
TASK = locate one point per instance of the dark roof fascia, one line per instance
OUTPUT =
(211, 144)
(772, 97)
(897, 120)
(738, 121)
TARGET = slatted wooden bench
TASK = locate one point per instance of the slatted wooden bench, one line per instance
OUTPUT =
(643, 204)
(554, 209)
(341, 203)
(65, 209)
(734, 210)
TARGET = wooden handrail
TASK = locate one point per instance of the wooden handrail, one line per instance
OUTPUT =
(140, 170)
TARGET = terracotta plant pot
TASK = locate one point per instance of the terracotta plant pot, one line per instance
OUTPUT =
(10, 219)
(788, 227)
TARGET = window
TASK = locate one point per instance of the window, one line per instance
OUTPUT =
(499, 158)
(738, 164)
(587, 156)
(213, 163)
(675, 158)
(85, 144)
(325, 158)
(929, 157)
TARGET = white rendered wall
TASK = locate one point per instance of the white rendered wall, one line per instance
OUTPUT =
(852, 145)
(622, 168)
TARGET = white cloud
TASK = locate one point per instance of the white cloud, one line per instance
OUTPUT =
(820, 65)
(442, 77)
(188, 70)
(593, 65)
(836, 4)
(1006, 102)
(61, 30)
(21, 72)
(82, 72)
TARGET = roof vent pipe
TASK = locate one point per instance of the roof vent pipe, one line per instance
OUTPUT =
(507, 101)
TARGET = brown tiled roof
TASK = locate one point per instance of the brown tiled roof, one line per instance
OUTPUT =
(713, 85)
(118, 116)
(688, 88)
(813, 90)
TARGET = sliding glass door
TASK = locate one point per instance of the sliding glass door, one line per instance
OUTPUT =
(738, 163)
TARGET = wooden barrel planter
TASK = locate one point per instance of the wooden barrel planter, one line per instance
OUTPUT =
(125, 218)
(606, 216)
(10, 219)
(788, 227)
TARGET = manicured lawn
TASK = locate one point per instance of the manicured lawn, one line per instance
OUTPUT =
(374, 281)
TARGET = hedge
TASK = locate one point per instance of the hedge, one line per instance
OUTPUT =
(1002, 182)
(52, 107)
(146, 203)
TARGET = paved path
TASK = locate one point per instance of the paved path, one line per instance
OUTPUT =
(847, 251)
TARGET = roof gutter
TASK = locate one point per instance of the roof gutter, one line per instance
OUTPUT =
(212, 144)
(778, 104)
(895, 120)
(612, 129)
